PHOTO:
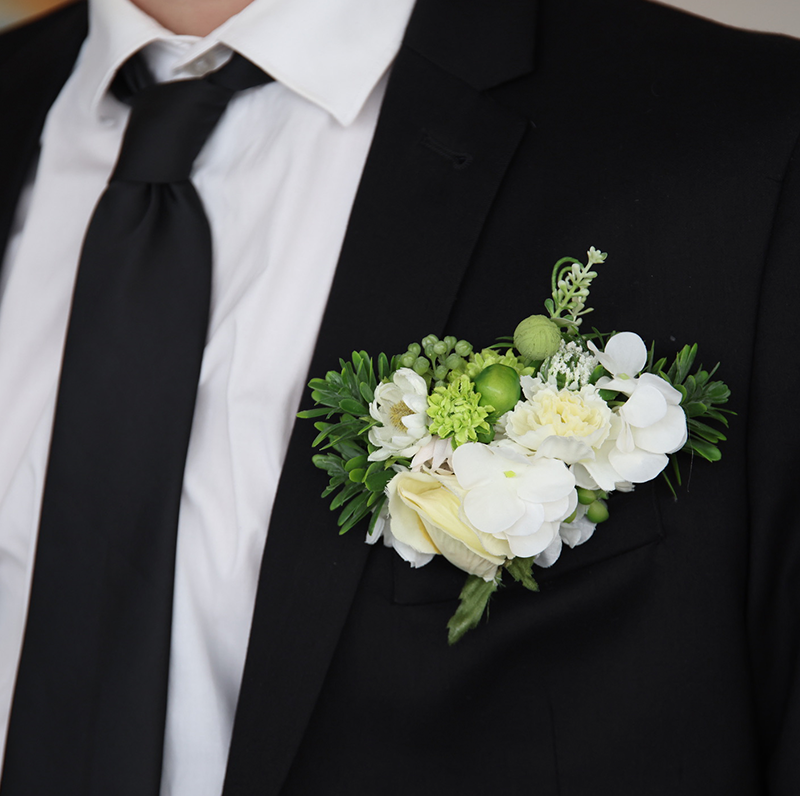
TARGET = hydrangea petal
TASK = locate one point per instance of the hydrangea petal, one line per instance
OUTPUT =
(625, 353)
(492, 508)
(528, 523)
(534, 543)
(671, 395)
(666, 436)
(558, 510)
(577, 532)
(638, 466)
(474, 464)
(544, 480)
(550, 554)
(646, 406)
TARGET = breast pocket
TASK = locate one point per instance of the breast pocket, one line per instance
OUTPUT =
(634, 522)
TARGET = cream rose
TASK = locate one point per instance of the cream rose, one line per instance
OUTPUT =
(424, 511)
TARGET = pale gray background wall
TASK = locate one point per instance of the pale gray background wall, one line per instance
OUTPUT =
(773, 15)
(780, 16)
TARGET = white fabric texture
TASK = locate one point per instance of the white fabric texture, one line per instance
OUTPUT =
(277, 178)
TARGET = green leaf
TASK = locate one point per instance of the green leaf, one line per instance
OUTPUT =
(384, 367)
(348, 491)
(308, 414)
(353, 407)
(473, 600)
(705, 432)
(367, 392)
(353, 513)
(694, 409)
(376, 482)
(520, 570)
(705, 449)
(355, 462)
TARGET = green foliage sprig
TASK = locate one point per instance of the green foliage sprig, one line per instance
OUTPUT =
(701, 399)
(343, 399)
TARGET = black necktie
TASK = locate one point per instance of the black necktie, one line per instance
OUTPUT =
(90, 701)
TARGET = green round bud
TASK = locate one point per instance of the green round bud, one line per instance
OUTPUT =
(451, 341)
(597, 512)
(499, 388)
(429, 340)
(463, 348)
(453, 361)
(428, 349)
(440, 348)
(440, 372)
(537, 337)
(408, 360)
(415, 349)
(422, 365)
(586, 496)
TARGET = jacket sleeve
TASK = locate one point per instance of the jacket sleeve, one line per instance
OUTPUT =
(773, 467)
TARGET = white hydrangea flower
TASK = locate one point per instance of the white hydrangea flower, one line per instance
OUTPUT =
(400, 406)
(651, 423)
(513, 498)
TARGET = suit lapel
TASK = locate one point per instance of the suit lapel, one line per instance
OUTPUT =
(439, 154)
(40, 57)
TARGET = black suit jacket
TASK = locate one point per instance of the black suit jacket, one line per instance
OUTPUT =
(661, 657)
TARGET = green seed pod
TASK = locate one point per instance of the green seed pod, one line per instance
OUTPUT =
(597, 512)
(537, 337)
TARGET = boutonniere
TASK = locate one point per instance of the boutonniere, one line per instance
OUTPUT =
(496, 458)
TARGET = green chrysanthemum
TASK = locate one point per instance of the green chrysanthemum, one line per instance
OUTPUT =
(455, 413)
(482, 359)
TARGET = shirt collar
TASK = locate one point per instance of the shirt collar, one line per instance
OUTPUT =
(331, 53)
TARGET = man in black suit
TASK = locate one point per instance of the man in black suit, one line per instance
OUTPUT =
(663, 656)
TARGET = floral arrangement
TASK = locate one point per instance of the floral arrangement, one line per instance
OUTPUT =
(496, 459)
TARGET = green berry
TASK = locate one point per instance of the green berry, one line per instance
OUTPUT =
(597, 512)
(499, 388)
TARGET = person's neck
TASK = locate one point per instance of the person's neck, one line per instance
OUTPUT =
(191, 17)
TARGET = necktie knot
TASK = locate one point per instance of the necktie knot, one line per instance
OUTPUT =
(171, 122)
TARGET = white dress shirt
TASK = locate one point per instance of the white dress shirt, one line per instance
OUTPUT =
(277, 178)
